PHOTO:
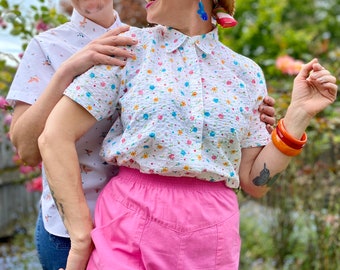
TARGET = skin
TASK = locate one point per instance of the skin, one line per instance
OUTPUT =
(314, 89)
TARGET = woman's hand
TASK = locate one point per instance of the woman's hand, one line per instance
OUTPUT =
(267, 111)
(79, 255)
(314, 89)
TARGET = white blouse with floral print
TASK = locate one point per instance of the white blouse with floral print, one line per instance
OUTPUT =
(187, 105)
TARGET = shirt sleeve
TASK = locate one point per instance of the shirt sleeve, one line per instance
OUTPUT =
(32, 76)
(256, 134)
(97, 90)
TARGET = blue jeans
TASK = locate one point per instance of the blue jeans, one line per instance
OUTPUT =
(52, 250)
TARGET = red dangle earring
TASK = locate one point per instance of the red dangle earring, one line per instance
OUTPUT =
(222, 17)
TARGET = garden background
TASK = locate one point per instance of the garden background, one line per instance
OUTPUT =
(297, 225)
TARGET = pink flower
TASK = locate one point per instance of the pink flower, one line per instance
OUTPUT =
(26, 169)
(8, 119)
(288, 65)
(34, 185)
(41, 26)
(16, 159)
(3, 103)
(3, 24)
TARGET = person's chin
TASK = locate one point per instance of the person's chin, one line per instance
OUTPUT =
(151, 20)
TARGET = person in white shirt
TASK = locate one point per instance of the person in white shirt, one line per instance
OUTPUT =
(93, 27)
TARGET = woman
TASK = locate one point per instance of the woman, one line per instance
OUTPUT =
(188, 135)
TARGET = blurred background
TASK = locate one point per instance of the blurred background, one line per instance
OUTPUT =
(297, 225)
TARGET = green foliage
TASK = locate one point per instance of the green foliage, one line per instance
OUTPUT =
(303, 29)
(24, 24)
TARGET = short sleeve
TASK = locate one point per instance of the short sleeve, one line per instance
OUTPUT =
(256, 134)
(32, 76)
(97, 90)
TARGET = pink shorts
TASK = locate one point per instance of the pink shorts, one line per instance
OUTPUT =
(165, 223)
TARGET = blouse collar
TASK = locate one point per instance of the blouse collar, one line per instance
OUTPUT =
(175, 40)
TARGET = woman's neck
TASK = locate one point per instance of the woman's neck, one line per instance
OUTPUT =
(193, 26)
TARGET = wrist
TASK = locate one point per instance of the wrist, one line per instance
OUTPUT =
(80, 231)
(79, 223)
(65, 74)
(285, 142)
(296, 121)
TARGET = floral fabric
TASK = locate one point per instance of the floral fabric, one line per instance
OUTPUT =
(188, 106)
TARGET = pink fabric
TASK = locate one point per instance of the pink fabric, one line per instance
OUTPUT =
(161, 223)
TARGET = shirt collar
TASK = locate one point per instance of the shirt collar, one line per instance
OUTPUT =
(174, 40)
(90, 28)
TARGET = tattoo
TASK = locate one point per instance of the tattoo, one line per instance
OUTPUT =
(264, 178)
(272, 180)
(59, 206)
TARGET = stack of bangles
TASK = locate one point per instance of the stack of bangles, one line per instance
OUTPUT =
(285, 142)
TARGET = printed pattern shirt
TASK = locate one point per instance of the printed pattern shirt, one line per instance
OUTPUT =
(188, 105)
(41, 59)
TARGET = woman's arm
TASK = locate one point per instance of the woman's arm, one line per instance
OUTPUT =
(314, 89)
(29, 120)
(67, 122)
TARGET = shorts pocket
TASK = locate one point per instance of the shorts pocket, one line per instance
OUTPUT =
(116, 243)
(229, 243)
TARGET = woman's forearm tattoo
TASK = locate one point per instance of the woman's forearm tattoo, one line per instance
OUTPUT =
(264, 178)
(59, 206)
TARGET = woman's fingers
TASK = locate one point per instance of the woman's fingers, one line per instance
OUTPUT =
(305, 70)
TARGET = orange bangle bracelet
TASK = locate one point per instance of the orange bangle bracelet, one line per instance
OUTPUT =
(287, 141)
(283, 147)
(288, 138)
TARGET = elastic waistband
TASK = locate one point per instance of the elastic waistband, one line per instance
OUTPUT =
(134, 175)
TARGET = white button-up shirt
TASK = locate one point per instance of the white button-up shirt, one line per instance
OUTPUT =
(42, 58)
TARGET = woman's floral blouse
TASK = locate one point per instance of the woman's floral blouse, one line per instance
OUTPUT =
(187, 105)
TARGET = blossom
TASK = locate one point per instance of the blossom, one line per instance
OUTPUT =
(7, 119)
(3, 103)
(288, 65)
(34, 185)
(3, 24)
(41, 26)
(16, 159)
(26, 169)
